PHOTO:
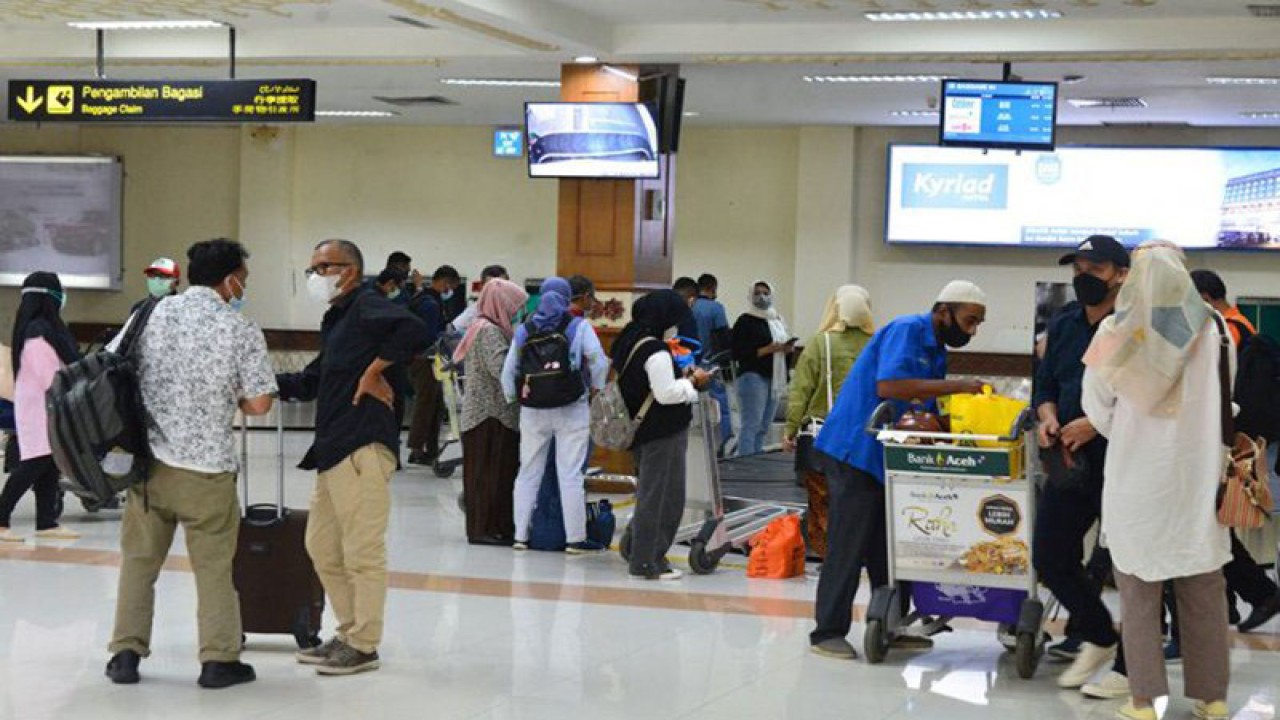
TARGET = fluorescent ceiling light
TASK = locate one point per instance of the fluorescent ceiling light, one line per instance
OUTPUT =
(586, 59)
(1243, 80)
(1261, 114)
(1104, 102)
(356, 113)
(619, 72)
(875, 78)
(952, 15)
(914, 113)
(146, 25)
(501, 82)
(692, 113)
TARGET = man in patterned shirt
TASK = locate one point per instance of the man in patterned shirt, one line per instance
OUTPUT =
(200, 361)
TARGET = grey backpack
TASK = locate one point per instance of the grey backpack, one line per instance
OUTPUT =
(612, 426)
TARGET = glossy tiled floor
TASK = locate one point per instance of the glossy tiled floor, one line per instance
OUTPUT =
(485, 633)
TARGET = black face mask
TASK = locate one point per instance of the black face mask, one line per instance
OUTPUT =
(954, 336)
(1090, 289)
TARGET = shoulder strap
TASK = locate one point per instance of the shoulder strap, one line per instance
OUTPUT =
(826, 336)
(1224, 383)
(1243, 329)
(632, 355)
(137, 324)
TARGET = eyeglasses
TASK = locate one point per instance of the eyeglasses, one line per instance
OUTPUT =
(323, 268)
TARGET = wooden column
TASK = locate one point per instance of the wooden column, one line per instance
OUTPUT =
(619, 233)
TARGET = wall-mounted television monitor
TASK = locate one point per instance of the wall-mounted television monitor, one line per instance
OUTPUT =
(63, 215)
(591, 140)
(998, 114)
(1198, 197)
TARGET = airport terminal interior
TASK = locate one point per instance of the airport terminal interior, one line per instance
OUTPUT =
(785, 147)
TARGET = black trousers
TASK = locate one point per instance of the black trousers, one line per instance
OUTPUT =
(1066, 512)
(40, 474)
(855, 539)
(660, 495)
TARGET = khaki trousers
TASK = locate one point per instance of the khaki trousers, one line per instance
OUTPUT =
(207, 508)
(347, 541)
(1202, 616)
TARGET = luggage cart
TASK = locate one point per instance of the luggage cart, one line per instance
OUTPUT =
(959, 519)
(449, 373)
(719, 531)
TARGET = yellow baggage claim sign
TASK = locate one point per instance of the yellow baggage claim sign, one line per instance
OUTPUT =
(162, 100)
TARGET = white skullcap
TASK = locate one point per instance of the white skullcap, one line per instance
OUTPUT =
(962, 291)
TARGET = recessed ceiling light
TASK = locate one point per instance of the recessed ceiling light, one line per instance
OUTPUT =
(586, 59)
(875, 78)
(502, 82)
(1108, 102)
(356, 113)
(914, 113)
(961, 15)
(1261, 114)
(1219, 80)
(692, 113)
(146, 25)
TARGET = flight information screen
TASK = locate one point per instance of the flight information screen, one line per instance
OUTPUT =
(984, 113)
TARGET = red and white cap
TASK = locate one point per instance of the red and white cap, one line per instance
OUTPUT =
(163, 266)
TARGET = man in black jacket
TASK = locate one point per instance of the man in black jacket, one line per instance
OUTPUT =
(363, 336)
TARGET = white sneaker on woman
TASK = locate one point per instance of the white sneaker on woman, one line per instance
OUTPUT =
(7, 535)
(1091, 660)
(57, 533)
(1112, 686)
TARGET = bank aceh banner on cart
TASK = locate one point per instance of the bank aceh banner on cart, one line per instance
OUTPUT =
(1200, 198)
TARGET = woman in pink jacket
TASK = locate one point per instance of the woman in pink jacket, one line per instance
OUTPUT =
(41, 345)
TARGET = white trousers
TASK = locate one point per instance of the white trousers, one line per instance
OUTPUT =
(570, 427)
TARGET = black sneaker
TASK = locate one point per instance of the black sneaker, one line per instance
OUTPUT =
(123, 667)
(318, 654)
(585, 547)
(1261, 614)
(215, 675)
(418, 457)
(347, 660)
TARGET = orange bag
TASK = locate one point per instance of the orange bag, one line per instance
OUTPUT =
(777, 551)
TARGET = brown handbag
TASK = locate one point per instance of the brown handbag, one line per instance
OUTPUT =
(1244, 494)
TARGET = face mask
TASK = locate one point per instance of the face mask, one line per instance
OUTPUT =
(446, 295)
(159, 286)
(954, 336)
(61, 297)
(236, 303)
(762, 302)
(322, 288)
(393, 294)
(1090, 289)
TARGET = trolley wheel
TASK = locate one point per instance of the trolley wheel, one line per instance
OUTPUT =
(443, 469)
(1026, 655)
(700, 561)
(624, 545)
(875, 641)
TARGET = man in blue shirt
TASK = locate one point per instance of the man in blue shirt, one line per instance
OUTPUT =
(905, 361)
(713, 333)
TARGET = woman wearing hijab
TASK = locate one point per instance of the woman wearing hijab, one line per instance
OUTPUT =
(42, 344)
(845, 329)
(761, 344)
(1151, 387)
(651, 385)
(490, 423)
(568, 426)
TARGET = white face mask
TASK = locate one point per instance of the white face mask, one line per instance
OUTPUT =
(323, 288)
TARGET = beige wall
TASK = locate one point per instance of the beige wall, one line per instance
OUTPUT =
(800, 206)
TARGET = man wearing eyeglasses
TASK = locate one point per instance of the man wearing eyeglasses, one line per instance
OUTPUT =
(357, 441)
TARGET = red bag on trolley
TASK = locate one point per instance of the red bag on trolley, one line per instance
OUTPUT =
(777, 552)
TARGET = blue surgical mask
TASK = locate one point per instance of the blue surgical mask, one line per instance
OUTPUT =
(446, 295)
(393, 294)
(236, 303)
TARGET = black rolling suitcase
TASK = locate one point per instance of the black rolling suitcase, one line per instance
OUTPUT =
(280, 592)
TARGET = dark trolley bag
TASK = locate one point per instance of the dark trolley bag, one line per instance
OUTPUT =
(280, 592)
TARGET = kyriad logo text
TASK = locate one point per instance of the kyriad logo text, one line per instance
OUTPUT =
(955, 187)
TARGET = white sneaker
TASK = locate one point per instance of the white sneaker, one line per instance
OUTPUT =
(57, 533)
(1112, 686)
(1091, 660)
(8, 535)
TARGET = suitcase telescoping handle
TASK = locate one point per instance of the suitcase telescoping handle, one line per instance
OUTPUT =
(244, 460)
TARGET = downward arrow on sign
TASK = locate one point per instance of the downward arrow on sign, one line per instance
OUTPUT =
(31, 102)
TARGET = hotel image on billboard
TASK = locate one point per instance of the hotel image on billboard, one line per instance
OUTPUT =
(1251, 211)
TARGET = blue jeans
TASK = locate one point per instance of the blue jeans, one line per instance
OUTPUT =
(755, 398)
(721, 396)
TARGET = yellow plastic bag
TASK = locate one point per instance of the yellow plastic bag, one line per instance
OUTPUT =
(984, 414)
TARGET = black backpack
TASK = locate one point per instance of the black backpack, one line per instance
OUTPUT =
(545, 376)
(97, 423)
(1258, 385)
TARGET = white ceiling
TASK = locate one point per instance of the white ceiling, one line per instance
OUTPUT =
(744, 59)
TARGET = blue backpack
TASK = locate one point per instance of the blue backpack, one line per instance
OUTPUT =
(546, 528)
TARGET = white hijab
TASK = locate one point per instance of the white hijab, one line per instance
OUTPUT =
(778, 329)
(1143, 349)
